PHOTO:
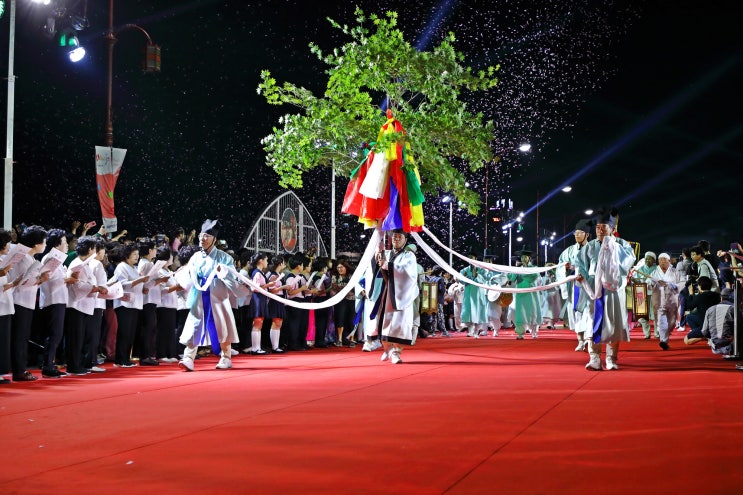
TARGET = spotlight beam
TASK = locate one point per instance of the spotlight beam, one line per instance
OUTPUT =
(656, 117)
(683, 164)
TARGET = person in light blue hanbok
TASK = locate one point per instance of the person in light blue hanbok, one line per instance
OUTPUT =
(474, 301)
(602, 266)
(210, 312)
(527, 312)
(576, 299)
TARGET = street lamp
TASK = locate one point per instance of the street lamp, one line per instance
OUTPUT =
(448, 199)
(151, 64)
(8, 186)
(108, 160)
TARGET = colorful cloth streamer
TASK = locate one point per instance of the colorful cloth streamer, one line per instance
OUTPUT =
(386, 187)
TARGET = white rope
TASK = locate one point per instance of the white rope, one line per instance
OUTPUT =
(355, 279)
(513, 290)
(520, 270)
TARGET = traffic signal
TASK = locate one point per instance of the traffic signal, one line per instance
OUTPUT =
(67, 39)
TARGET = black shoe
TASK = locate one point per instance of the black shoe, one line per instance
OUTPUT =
(321, 346)
(278, 350)
(664, 346)
(259, 352)
(51, 373)
(148, 362)
(25, 377)
(4, 381)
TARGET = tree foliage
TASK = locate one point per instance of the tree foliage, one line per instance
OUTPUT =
(422, 88)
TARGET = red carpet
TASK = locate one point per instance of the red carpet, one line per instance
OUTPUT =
(460, 416)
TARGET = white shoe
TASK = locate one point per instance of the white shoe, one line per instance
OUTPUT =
(594, 364)
(186, 364)
(395, 357)
(534, 334)
(234, 352)
(96, 369)
(611, 365)
(386, 355)
(224, 363)
(581, 346)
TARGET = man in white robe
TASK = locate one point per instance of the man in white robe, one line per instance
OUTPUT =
(667, 283)
(602, 266)
(212, 282)
(400, 273)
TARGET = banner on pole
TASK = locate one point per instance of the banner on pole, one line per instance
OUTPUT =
(108, 163)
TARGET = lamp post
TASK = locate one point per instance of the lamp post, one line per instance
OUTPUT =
(10, 116)
(450, 200)
(151, 64)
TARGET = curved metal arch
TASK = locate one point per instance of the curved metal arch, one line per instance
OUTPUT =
(272, 230)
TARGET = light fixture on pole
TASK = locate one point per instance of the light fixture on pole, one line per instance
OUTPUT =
(450, 200)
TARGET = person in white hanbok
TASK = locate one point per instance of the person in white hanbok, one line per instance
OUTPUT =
(400, 273)
(549, 299)
(456, 293)
(602, 266)
(576, 299)
(644, 273)
(210, 313)
(667, 283)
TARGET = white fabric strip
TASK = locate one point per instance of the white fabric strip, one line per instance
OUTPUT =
(355, 279)
(491, 266)
(439, 261)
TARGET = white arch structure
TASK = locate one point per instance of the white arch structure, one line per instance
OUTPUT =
(285, 226)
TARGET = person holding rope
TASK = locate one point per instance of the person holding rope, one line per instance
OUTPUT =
(395, 318)
(210, 313)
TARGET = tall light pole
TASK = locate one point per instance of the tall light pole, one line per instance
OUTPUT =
(151, 64)
(10, 117)
(450, 200)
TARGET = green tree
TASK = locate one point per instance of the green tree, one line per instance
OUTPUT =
(422, 88)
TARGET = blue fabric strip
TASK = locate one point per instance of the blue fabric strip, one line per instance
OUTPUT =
(394, 219)
(598, 318)
(211, 327)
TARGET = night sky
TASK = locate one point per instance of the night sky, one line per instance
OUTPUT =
(633, 105)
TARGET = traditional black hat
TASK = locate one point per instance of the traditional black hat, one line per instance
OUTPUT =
(211, 227)
(525, 251)
(606, 215)
(584, 224)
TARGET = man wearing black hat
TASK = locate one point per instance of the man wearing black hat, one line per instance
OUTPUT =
(395, 319)
(576, 299)
(602, 266)
(210, 313)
